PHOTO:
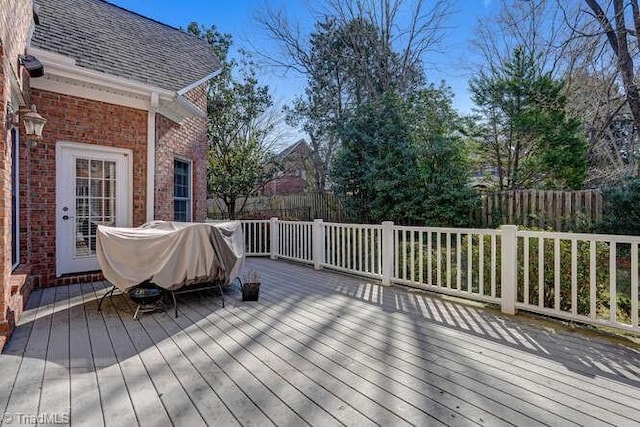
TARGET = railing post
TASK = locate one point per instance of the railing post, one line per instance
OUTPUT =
(275, 237)
(509, 273)
(387, 252)
(318, 244)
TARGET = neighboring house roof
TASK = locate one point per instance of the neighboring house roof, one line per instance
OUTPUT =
(107, 38)
(292, 149)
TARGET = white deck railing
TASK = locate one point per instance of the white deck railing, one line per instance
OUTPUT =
(587, 278)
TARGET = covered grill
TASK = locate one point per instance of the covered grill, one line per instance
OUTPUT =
(172, 255)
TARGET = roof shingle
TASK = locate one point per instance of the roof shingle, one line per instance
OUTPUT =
(107, 38)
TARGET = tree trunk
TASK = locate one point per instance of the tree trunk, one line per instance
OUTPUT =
(231, 207)
(617, 38)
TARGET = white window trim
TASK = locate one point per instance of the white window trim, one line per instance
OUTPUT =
(190, 204)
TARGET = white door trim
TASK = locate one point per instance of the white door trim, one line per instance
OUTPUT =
(92, 150)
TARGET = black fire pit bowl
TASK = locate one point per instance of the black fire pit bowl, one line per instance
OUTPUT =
(146, 294)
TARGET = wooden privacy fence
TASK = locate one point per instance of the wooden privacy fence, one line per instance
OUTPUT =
(301, 207)
(561, 210)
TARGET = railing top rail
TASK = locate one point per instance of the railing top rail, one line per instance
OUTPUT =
(295, 222)
(580, 236)
(486, 231)
(342, 224)
(259, 221)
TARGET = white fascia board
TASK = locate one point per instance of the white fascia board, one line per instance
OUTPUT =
(190, 107)
(199, 82)
(66, 67)
(66, 86)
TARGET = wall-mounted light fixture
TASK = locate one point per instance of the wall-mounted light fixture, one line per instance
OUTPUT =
(33, 123)
(9, 118)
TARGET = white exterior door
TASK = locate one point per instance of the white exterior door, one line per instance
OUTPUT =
(93, 187)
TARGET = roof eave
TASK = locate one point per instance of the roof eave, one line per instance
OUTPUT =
(173, 104)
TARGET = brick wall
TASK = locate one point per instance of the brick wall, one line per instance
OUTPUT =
(285, 185)
(186, 140)
(85, 121)
(16, 17)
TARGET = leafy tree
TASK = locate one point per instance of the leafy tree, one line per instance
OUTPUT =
(240, 159)
(401, 161)
(356, 53)
(526, 134)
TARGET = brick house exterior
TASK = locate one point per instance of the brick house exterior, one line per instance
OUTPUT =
(295, 160)
(125, 102)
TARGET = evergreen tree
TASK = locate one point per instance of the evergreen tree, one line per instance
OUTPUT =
(526, 134)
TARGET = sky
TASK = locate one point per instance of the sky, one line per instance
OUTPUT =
(454, 63)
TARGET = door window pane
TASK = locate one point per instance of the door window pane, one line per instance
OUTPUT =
(95, 201)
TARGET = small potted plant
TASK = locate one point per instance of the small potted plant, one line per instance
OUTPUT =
(250, 286)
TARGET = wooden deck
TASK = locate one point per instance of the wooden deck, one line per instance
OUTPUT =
(319, 348)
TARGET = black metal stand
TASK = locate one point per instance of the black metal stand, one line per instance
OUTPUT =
(108, 294)
(197, 288)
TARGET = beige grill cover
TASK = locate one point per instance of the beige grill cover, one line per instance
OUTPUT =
(170, 254)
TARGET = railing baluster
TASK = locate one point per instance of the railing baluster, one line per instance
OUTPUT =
(429, 258)
(592, 280)
(458, 260)
(634, 285)
(342, 245)
(574, 277)
(412, 248)
(448, 237)
(360, 249)
(367, 242)
(421, 256)
(525, 264)
(613, 293)
(481, 264)
(379, 254)
(540, 272)
(404, 255)
(439, 258)
(350, 247)
(470, 262)
(556, 274)
(494, 256)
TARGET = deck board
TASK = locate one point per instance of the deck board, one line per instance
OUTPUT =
(55, 396)
(115, 402)
(319, 348)
(13, 352)
(25, 396)
(86, 407)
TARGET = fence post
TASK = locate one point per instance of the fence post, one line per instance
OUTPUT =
(387, 252)
(318, 244)
(509, 273)
(275, 237)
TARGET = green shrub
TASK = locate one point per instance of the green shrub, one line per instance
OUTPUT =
(621, 210)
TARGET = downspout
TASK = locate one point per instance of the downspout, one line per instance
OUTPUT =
(151, 156)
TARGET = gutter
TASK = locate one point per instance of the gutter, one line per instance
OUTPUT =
(151, 156)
